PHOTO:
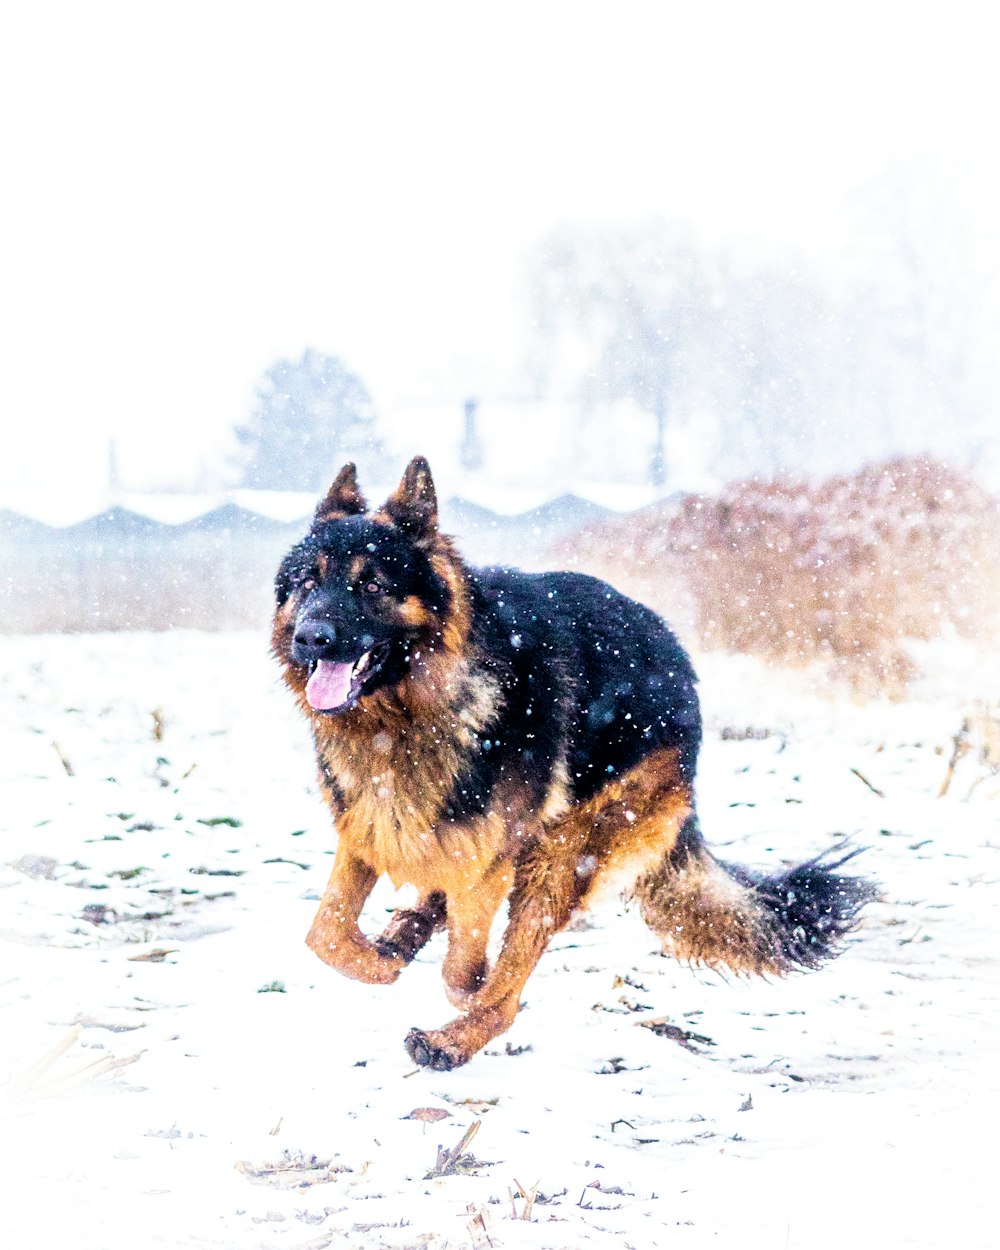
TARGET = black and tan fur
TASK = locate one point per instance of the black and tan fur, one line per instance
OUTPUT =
(508, 736)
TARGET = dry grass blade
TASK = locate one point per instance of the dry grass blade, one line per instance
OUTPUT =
(450, 1161)
(477, 1227)
(67, 766)
(959, 747)
(529, 1198)
(78, 1076)
(980, 733)
(30, 1084)
(27, 1079)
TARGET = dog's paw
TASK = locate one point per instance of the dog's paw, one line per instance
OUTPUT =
(380, 967)
(425, 1054)
(358, 959)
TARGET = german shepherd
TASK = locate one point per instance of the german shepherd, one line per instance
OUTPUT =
(490, 735)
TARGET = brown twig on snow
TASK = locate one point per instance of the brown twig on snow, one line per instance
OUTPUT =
(960, 747)
(662, 1027)
(874, 789)
(62, 759)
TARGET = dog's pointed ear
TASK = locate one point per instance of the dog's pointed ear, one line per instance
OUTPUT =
(344, 497)
(413, 504)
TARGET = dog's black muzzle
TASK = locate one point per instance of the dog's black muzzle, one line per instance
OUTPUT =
(317, 640)
(320, 638)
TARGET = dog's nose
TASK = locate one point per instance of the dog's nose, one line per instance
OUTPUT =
(313, 639)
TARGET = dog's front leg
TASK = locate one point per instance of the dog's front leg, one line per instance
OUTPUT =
(411, 928)
(335, 936)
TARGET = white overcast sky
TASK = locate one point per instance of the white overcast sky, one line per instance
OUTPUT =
(193, 189)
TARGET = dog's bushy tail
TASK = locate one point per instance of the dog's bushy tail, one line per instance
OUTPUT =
(713, 913)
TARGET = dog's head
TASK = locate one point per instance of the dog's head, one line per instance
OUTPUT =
(364, 594)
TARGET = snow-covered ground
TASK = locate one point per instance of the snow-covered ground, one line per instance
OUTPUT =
(154, 896)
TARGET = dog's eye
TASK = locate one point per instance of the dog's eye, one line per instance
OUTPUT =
(303, 581)
(309, 583)
(372, 588)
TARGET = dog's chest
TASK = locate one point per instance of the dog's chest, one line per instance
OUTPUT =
(394, 810)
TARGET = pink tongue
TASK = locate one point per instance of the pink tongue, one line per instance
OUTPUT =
(329, 686)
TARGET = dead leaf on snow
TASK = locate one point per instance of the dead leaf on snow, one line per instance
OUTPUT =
(427, 1114)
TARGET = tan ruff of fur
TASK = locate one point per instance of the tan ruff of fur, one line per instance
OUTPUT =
(397, 762)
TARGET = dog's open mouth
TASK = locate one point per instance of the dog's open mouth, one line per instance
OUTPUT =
(332, 686)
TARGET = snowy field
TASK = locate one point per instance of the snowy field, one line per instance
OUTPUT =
(163, 846)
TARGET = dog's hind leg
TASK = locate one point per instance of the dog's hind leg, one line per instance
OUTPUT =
(620, 832)
(472, 909)
(545, 889)
(411, 928)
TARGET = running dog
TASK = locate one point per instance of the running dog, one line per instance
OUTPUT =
(488, 735)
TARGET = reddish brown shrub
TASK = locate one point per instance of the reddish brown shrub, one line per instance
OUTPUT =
(845, 570)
